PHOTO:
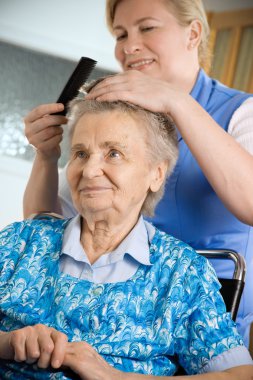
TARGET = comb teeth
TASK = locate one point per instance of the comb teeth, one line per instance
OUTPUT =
(76, 80)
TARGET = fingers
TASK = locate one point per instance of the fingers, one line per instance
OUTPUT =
(42, 123)
(42, 110)
(24, 344)
(135, 87)
(38, 139)
(127, 86)
(81, 358)
(60, 344)
(31, 348)
(112, 92)
(108, 85)
(46, 345)
(43, 130)
(52, 344)
(77, 355)
(40, 344)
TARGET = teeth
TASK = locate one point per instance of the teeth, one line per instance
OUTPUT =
(140, 63)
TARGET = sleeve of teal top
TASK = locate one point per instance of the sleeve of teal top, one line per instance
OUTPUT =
(9, 238)
(204, 329)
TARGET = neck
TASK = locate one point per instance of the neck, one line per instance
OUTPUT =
(101, 236)
(188, 81)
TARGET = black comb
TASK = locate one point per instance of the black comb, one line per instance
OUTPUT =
(76, 80)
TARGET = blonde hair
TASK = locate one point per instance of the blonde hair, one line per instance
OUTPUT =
(161, 140)
(185, 11)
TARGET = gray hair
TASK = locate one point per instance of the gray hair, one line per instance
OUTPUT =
(161, 141)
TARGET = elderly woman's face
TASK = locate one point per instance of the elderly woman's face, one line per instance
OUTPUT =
(109, 169)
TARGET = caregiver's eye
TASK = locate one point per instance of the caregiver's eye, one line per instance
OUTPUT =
(121, 36)
(147, 28)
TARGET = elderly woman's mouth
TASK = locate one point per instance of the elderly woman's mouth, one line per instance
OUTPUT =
(94, 189)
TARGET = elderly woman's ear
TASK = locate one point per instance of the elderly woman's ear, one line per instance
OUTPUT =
(159, 175)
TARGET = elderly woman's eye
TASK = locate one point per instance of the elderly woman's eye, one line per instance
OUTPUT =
(81, 154)
(114, 154)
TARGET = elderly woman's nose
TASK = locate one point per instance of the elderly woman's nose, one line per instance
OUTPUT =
(93, 166)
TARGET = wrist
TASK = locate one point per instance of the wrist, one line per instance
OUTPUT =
(118, 375)
(6, 350)
(184, 110)
(47, 159)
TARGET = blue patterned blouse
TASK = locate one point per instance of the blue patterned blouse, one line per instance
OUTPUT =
(167, 313)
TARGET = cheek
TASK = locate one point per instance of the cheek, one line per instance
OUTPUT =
(68, 174)
(72, 176)
(118, 52)
(135, 183)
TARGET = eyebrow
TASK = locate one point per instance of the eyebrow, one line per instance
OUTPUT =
(106, 144)
(114, 144)
(120, 27)
(77, 147)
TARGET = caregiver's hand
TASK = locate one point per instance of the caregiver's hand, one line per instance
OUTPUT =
(138, 88)
(43, 129)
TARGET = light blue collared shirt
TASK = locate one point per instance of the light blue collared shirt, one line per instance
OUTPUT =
(115, 266)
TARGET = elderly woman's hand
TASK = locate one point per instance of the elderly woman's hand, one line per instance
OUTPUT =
(43, 130)
(31, 344)
(82, 359)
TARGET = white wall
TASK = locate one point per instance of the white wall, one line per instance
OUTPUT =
(69, 29)
(13, 178)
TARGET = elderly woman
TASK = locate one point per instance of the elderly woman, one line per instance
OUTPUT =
(105, 294)
(162, 48)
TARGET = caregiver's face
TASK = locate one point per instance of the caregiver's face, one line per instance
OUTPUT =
(149, 38)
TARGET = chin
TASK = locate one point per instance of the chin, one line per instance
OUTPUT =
(94, 207)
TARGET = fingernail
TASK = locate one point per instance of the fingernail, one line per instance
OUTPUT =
(56, 364)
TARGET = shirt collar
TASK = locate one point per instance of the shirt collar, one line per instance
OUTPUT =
(135, 244)
(202, 83)
(202, 89)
